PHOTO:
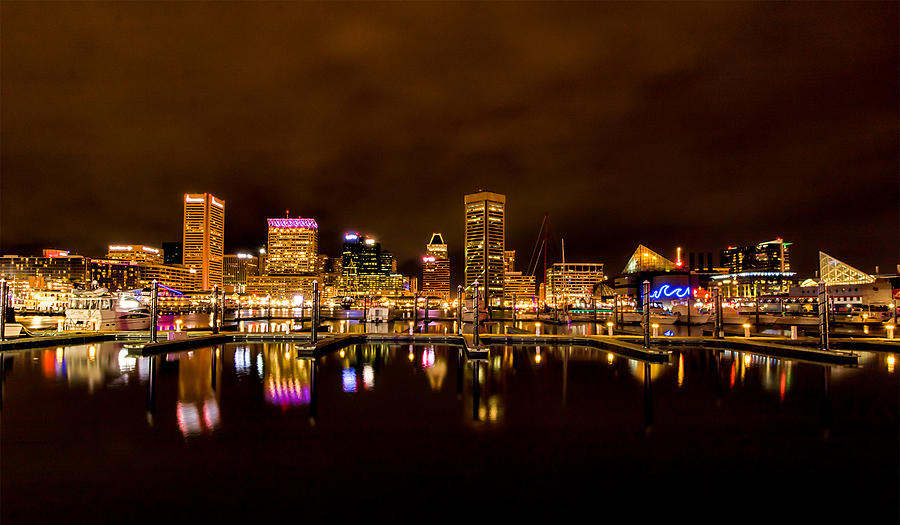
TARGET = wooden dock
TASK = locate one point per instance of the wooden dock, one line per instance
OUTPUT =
(843, 352)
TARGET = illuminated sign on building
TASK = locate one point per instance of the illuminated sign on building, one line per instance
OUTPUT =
(293, 223)
(667, 291)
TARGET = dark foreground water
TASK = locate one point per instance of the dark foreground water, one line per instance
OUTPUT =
(247, 433)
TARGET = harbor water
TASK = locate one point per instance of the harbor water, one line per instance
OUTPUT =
(372, 433)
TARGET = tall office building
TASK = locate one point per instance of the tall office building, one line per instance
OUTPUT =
(436, 268)
(570, 283)
(135, 253)
(293, 246)
(485, 243)
(509, 261)
(238, 267)
(204, 237)
(366, 269)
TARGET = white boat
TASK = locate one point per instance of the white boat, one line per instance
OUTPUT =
(377, 314)
(696, 318)
(12, 330)
(101, 310)
(655, 318)
(797, 320)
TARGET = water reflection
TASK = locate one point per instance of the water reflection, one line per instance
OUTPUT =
(519, 378)
(648, 399)
(197, 408)
(286, 378)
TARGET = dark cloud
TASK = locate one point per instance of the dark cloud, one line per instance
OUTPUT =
(688, 124)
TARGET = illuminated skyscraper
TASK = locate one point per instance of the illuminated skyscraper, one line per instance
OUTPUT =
(509, 261)
(238, 267)
(571, 283)
(204, 237)
(485, 242)
(436, 269)
(366, 269)
(293, 246)
(770, 256)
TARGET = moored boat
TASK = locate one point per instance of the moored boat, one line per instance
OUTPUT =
(101, 310)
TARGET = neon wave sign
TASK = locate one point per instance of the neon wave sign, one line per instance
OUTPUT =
(666, 291)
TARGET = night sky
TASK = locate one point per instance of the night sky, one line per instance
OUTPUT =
(684, 124)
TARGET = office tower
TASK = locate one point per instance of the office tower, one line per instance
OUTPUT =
(238, 267)
(134, 253)
(571, 283)
(114, 275)
(520, 285)
(436, 268)
(204, 237)
(172, 253)
(509, 261)
(769, 256)
(366, 269)
(485, 243)
(178, 277)
(293, 246)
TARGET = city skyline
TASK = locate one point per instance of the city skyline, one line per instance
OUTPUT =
(414, 267)
(702, 127)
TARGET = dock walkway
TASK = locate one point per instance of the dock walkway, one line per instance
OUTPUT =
(843, 349)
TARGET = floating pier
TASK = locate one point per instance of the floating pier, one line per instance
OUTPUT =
(842, 351)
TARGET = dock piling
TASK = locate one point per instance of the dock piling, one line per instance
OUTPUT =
(314, 315)
(415, 311)
(823, 315)
(154, 309)
(646, 300)
(459, 310)
(475, 319)
(3, 304)
(215, 309)
(717, 306)
(616, 308)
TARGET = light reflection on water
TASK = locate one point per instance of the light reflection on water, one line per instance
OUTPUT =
(582, 398)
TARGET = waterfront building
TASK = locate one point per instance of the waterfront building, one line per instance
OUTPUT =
(237, 268)
(485, 236)
(292, 247)
(646, 260)
(436, 268)
(172, 253)
(411, 285)
(570, 283)
(509, 261)
(366, 269)
(136, 253)
(180, 278)
(71, 269)
(769, 256)
(281, 286)
(204, 237)
(833, 271)
(114, 275)
(520, 285)
(27, 275)
(754, 283)
(854, 292)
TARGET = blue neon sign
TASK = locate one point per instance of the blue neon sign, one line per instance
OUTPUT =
(668, 291)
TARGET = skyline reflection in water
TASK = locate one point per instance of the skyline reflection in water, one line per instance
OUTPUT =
(388, 413)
